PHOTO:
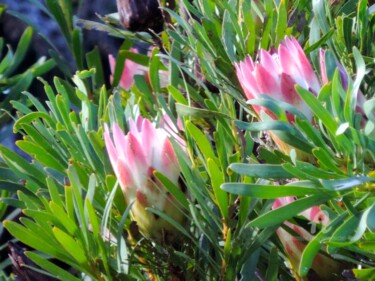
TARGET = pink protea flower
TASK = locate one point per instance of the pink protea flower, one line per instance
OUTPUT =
(323, 266)
(130, 70)
(134, 158)
(277, 73)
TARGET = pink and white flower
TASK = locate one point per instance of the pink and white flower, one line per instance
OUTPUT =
(134, 158)
(276, 73)
(323, 266)
(130, 69)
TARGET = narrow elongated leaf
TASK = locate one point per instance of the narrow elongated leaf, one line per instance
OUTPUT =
(347, 183)
(260, 170)
(175, 224)
(57, 271)
(173, 189)
(31, 239)
(201, 140)
(40, 154)
(217, 178)
(284, 213)
(268, 191)
(72, 246)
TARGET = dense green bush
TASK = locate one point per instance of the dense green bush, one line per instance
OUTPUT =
(271, 185)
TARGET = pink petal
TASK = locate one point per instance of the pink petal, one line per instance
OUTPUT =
(124, 175)
(149, 138)
(323, 68)
(112, 65)
(135, 154)
(267, 83)
(282, 201)
(127, 77)
(288, 90)
(110, 147)
(140, 121)
(169, 161)
(247, 81)
(315, 214)
(306, 68)
(119, 139)
(133, 126)
(288, 63)
(269, 63)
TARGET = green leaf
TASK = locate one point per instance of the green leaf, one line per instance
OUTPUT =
(73, 247)
(77, 47)
(273, 264)
(369, 108)
(57, 271)
(184, 110)
(60, 214)
(40, 216)
(229, 40)
(265, 171)
(318, 109)
(326, 160)
(176, 191)
(284, 213)
(201, 141)
(40, 154)
(217, 179)
(21, 50)
(364, 274)
(167, 218)
(94, 61)
(176, 94)
(341, 236)
(122, 250)
(31, 239)
(12, 187)
(54, 192)
(370, 219)
(21, 167)
(29, 118)
(155, 66)
(31, 201)
(69, 201)
(277, 107)
(283, 130)
(282, 22)
(268, 191)
(64, 22)
(347, 183)
(41, 227)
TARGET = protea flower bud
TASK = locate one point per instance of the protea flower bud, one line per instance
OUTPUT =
(134, 158)
(129, 71)
(276, 74)
(143, 15)
(323, 267)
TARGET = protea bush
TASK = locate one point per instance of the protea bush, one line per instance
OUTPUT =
(224, 140)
